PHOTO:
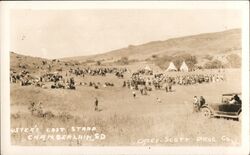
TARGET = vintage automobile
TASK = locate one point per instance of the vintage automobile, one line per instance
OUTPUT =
(230, 107)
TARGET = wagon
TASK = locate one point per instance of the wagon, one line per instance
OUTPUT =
(230, 107)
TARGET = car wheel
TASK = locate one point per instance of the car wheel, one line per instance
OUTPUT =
(239, 117)
(206, 112)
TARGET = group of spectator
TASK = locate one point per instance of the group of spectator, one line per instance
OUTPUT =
(97, 71)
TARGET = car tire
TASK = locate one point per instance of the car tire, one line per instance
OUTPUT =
(239, 117)
(206, 112)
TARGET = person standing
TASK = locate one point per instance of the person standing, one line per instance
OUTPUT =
(124, 84)
(195, 104)
(202, 102)
(134, 94)
(170, 86)
(96, 104)
(165, 85)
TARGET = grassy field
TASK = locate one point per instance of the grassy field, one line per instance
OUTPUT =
(126, 120)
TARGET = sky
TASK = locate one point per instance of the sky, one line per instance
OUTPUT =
(68, 33)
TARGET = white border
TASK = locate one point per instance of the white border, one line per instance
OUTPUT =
(5, 90)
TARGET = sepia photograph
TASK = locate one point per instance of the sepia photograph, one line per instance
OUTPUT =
(127, 77)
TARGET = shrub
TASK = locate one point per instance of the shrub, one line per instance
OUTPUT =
(234, 60)
(76, 63)
(208, 57)
(36, 109)
(189, 59)
(64, 116)
(48, 114)
(89, 61)
(98, 63)
(215, 64)
(133, 60)
(163, 61)
(123, 61)
(154, 56)
(15, 116)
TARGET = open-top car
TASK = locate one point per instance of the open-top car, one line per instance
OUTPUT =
(230, 107)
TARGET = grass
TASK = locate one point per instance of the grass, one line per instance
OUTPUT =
(123, 119)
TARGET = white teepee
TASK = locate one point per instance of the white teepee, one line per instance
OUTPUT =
(184, 67)
(171, 67)
(147, 68)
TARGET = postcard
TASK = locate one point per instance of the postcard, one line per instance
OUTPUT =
(125, 77)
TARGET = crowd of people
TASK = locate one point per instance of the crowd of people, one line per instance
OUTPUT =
(166, 82)
(15, 77)
(98, 71)
(97, 85)
(142, 81)
(60, 81)
(137, 81)
(198, 79)
(145, 71)
(191, 79)
(24, 78)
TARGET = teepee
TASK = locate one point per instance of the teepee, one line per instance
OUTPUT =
(184, 67)
(147, 68)
(171, 67)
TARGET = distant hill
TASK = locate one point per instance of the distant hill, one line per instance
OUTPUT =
(206, 47)
(217, 44)
(20, 62)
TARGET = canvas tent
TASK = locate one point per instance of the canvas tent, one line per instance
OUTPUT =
(184, 67)
(147, 68)
(171, 67)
